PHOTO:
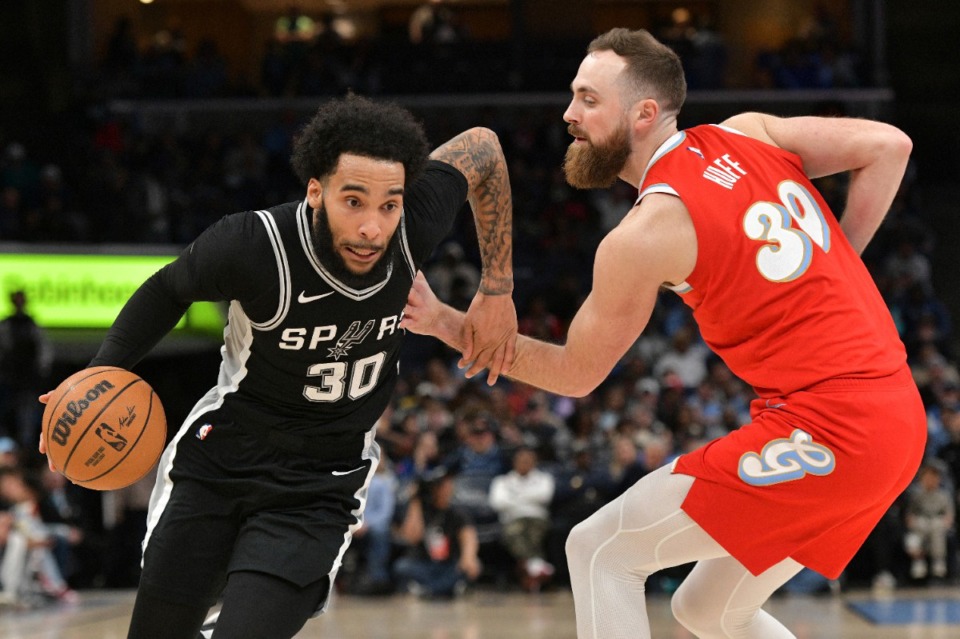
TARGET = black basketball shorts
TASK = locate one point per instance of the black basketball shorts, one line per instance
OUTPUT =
(225, 502)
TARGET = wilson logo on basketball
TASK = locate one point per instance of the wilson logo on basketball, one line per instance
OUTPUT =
(61, 430)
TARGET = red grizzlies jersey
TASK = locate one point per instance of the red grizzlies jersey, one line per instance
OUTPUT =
(777, 290)
(782, 297)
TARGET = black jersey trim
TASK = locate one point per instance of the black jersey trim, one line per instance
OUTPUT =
(405, 246)
(283, 271)
(303, 228)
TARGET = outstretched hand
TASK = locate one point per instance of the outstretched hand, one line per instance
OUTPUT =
(486, 335)
(422, 313)
(489, 336)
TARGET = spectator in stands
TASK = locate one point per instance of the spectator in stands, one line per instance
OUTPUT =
(934, 374)
(9, 454)
(949, 452)
(539, 322)
(880, 548)
(164, 63)
(435, 23)
(929, 521)
(122, 52)
(452, 270)
(522, 499)
(424, 457)
(125, 515)
(476, 462)
(206, 73)
(541, 428)
(29, 572)
(628, 466)
(26, 355)
(581, 488)
(374, 537)
(58, 508)
(19, 171)
(924, 319)
(12, 213)
(686, 357)
(443, 541)
(908, 265)
(585, 434)
(439, 382)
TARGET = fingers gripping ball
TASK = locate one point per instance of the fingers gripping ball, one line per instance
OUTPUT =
(104, 428)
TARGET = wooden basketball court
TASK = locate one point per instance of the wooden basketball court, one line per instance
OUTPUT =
(495, 615)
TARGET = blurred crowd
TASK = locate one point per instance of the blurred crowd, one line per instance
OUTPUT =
(478, 484)
(315, 55)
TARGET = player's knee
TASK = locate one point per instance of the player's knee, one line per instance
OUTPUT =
(691, 613)
(576, 544)
(582, 541)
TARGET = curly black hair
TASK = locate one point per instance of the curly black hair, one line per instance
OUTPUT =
(359, 126)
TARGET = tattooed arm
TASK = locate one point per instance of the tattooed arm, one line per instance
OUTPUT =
(477, 154)
(490, 331)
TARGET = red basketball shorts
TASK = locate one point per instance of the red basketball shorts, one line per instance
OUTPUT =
(811, 475)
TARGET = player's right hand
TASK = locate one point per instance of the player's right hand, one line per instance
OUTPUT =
(422, 311)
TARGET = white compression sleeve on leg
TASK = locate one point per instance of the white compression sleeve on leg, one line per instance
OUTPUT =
(720, 599)
(612, 553)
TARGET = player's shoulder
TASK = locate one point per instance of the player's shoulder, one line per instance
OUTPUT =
(258, 223)
(438, 175)
(703, 136)
(285, 214)
(655, 215)
(657, 231)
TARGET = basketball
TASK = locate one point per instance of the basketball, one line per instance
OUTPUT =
(104, 428)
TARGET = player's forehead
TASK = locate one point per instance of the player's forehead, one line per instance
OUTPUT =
(599, 73)
(375, 176)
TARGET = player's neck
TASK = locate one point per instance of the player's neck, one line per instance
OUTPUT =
(645, 147)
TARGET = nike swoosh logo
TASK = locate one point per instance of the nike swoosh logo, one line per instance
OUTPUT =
(340, 473)
(304, 298)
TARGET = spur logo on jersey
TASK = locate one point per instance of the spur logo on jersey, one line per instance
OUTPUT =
(783, 460)
(312, 338)
(353, 335)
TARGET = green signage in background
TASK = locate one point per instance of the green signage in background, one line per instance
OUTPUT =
(87, 291)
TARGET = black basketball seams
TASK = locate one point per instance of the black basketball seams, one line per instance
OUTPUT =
(133, 444)
(56, 407)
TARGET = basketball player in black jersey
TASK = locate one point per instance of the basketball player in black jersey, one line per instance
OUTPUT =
(260, 489)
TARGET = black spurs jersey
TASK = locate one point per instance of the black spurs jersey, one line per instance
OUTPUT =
(304, 355)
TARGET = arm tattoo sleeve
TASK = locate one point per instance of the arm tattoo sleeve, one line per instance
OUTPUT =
(478, 155)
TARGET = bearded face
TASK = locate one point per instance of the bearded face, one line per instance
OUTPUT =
(596, 165)
(326, 245)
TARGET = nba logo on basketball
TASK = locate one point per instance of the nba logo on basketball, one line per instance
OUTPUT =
(204, 431)
(114, 439)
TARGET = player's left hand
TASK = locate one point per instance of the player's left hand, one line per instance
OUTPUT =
(421, 315)
(489, 335)
(43, 399)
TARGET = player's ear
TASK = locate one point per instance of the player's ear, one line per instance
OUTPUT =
(314, 193)
(646, 111)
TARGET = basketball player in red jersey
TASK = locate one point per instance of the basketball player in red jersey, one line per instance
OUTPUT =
(727, 217)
